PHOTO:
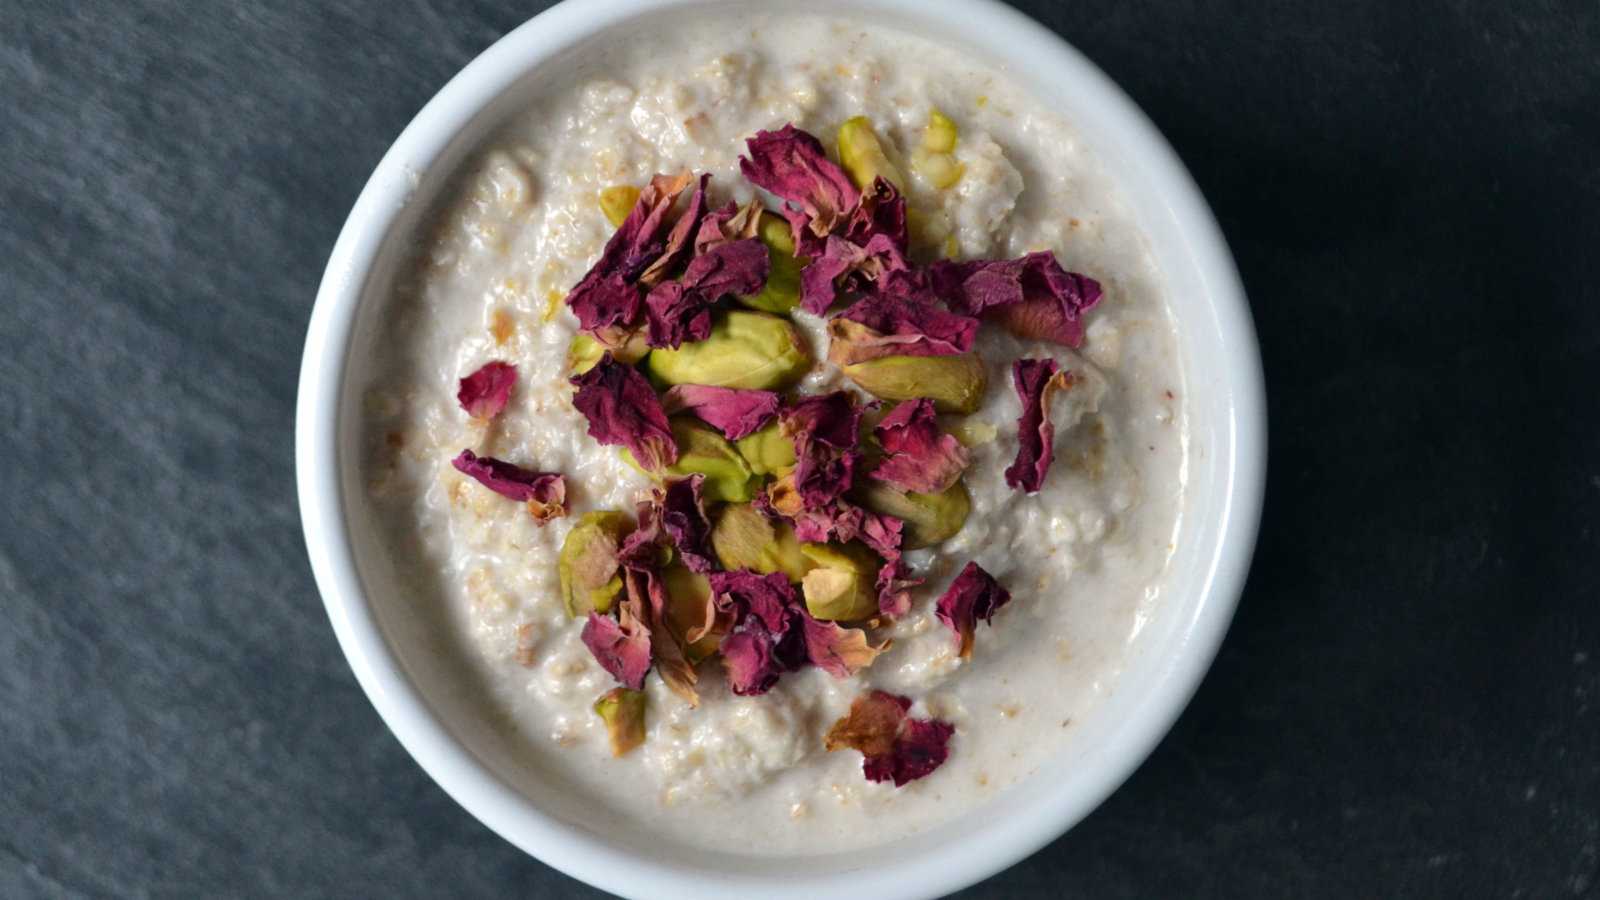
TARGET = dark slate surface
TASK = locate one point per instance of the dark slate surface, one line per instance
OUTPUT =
(1407, 705)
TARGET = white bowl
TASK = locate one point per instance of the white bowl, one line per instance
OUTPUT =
(421, 698)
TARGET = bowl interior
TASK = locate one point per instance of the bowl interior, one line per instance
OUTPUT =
(417, 676)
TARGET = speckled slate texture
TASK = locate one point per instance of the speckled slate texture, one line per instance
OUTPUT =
(1408, 704)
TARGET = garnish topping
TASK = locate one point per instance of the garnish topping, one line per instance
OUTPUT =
(736, 413)
(766, 638)
(621, 645)
(544, 492)
(683, 518)
(1036, 381)
(1032, 296)
(622, 711)
(893, 746)
(825, 430)
(776, 534)
(791, 165)
(918, 456)
(484, 393)
(880, 326)
(623, 409)
(972, 596)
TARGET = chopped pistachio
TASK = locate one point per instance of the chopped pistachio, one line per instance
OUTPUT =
(941, 134)
(954, 383)
(701, 450)
(623, 712)
(934, 160)
(932, 232)
(940, 169)
(745, 349)
(861, 154)
(842, 585)
(781, 293)
(617, 201)
(928, 518)
(584, 352)
(768, 450)
(975, 434)
(587, 565)
(743, 538)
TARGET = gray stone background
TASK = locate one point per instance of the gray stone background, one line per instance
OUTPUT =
(1407, 704)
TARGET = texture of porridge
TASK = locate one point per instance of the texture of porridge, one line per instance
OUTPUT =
(1083, 558)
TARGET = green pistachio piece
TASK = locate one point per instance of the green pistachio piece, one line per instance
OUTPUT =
(954, 383)
(934, 160)
(623, 712)
(617, 201)
(842, 585)
(587, 565)
(975, 434)
(861, 154)
(743, 538)
(929, 518)
(704, 451)
(745, 349)
(781, 294)
(940, 169)
(941, 134)
(584, 352)
(768, 450)
(688, 595)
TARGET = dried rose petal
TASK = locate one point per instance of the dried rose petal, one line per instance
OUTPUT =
(544, 492)
(623, 410)
(1032, 296)
(608, 294)
(833, 419)
(647, 594)
(881, 326)
(871, 725)
(637, 242)
(732, 222)
(791, 165)
(679, 242)
(647, 547)
(972, 596)
(735, 412)
(681, 310)
(677, 313)
(683, 517)
(882, 533)
(894, 588)
(622, 647)
(839, 651)
(825, 430)
(1036, 381)
(918, 456)
(736, 267)
(881, 210)
(484, 393)
(845, 267)
(605, 301)
(923, 745)
(766, 638)
(838, 521)
(893, 746)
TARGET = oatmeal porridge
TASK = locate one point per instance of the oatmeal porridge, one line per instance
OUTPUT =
(809, 502)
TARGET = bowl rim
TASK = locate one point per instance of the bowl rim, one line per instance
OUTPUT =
(499, 805)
